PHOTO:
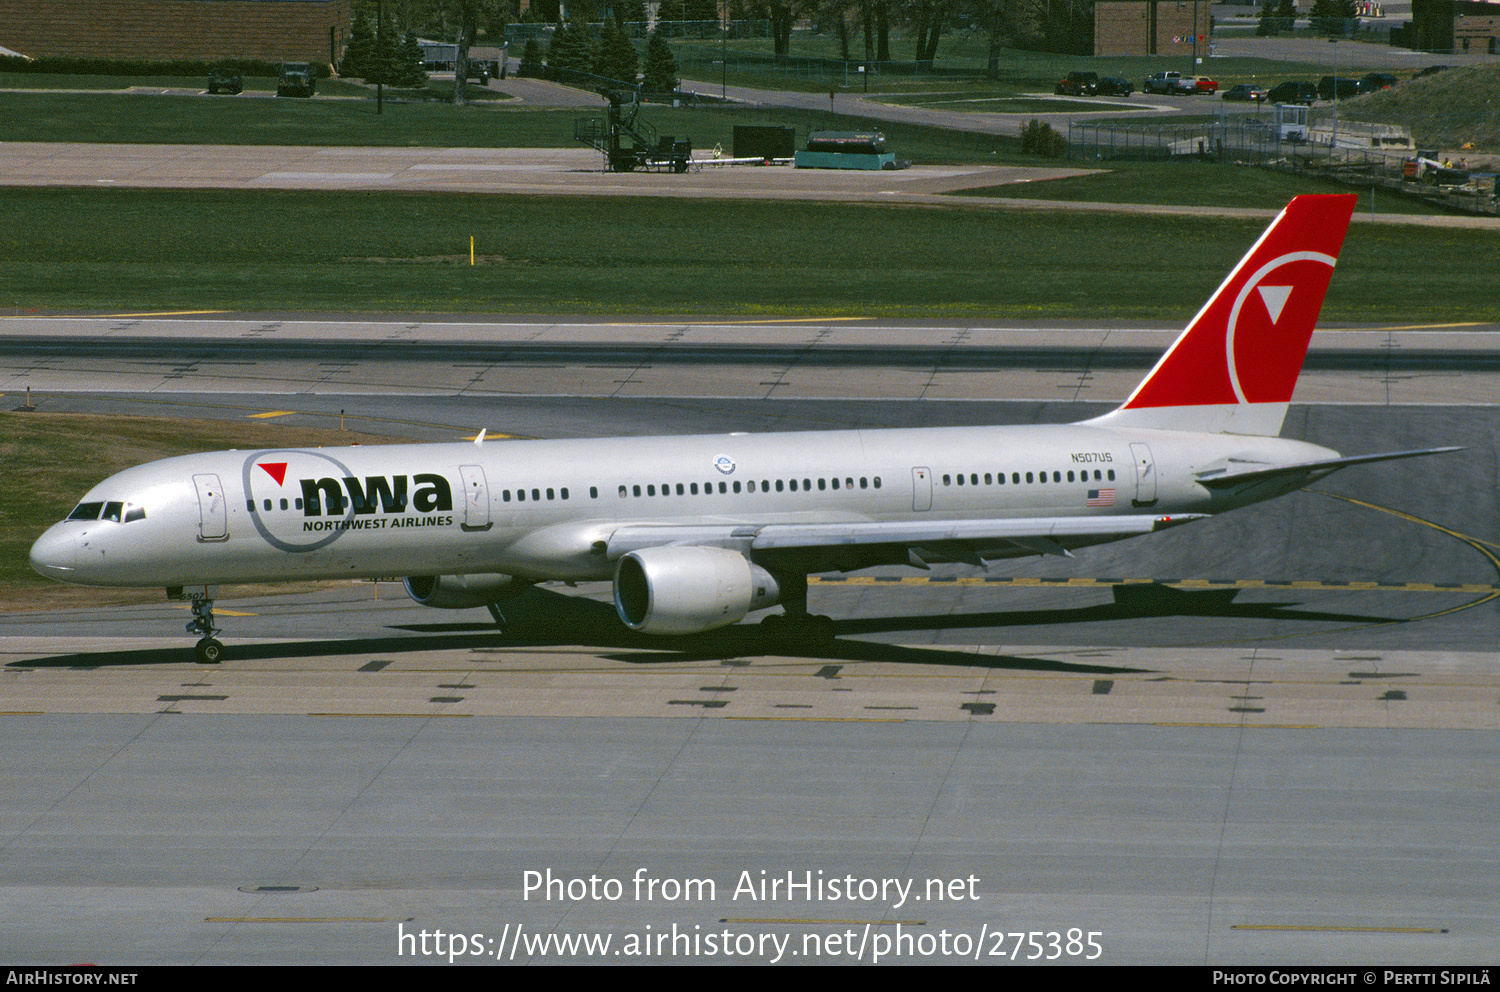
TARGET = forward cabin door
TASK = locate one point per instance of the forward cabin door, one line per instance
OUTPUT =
(476, 498)
(213, 509)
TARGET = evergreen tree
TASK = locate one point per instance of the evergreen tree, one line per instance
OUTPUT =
(361, 48)
(571, 49)
(1267, 24)
(408, 70)
(385, 61)
(660, 68)
(616, 59)
(531, 60)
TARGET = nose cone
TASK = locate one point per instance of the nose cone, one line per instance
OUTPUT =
(55, 554)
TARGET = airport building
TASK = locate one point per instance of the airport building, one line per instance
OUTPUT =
(274, 30)
(1152, 27)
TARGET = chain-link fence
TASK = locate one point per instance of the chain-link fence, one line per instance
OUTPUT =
(1299, 139)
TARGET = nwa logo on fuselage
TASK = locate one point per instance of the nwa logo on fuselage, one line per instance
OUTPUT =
(377, 494)
(335, 502)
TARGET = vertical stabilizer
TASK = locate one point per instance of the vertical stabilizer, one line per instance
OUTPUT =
(1234, 368)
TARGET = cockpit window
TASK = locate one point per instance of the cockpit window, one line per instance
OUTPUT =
(119, 512)
(86, 511)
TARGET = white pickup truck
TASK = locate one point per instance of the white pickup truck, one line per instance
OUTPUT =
(1169, 82)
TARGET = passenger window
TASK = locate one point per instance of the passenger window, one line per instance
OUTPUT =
(564, 494)
(267, 505)
(551, 494)
(536, 495)
(877, 482)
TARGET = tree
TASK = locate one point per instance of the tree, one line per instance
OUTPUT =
(408, 70)
(468, 27)
(1267, 24)
(616, 58)
(531, 60)
(360, 52)
(660, 70)
(571, 50)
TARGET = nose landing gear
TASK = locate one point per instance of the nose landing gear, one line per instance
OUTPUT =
(208, 650)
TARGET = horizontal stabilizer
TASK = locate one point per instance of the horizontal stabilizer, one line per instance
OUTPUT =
(1219, 479)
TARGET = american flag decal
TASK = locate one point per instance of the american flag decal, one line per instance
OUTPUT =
(1100, 497)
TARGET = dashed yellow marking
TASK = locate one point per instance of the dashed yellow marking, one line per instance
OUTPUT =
(159, 313)
(272, 413)
(1429, 327)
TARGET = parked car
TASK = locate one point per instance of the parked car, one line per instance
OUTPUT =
(1163, 82)
(1078, 84)
(1113, 86)
(1335, 88)
(297, 79)
(1245, 92)
(1373, 81)
(226, 81)
(1202, 84)
(1293, 92)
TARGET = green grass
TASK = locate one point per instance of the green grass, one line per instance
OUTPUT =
(113, 250)
(1195, 184)
(53, 459)
(83, 82)
(962, 58)
(129, 119)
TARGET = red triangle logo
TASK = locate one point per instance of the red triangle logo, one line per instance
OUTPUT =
(276, 470)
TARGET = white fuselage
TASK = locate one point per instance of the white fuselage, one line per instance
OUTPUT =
(541, 510)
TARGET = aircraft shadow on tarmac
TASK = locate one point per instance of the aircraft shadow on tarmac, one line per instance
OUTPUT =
(543, 618)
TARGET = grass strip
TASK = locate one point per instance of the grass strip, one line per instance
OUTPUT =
(113, 250)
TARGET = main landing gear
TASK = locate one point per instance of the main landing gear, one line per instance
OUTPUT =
(208, 650)
(796, 625)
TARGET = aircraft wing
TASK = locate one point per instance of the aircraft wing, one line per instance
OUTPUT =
(1231, 476)
(1039, 535)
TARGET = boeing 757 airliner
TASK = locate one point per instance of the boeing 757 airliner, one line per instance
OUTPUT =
(697, 532)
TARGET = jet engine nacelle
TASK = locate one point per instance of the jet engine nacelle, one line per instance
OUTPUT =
(685, 590)
(462, 592)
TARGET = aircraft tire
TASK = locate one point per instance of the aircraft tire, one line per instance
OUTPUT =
(208, 651)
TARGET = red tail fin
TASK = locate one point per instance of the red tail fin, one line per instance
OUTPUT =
(1234, 368)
